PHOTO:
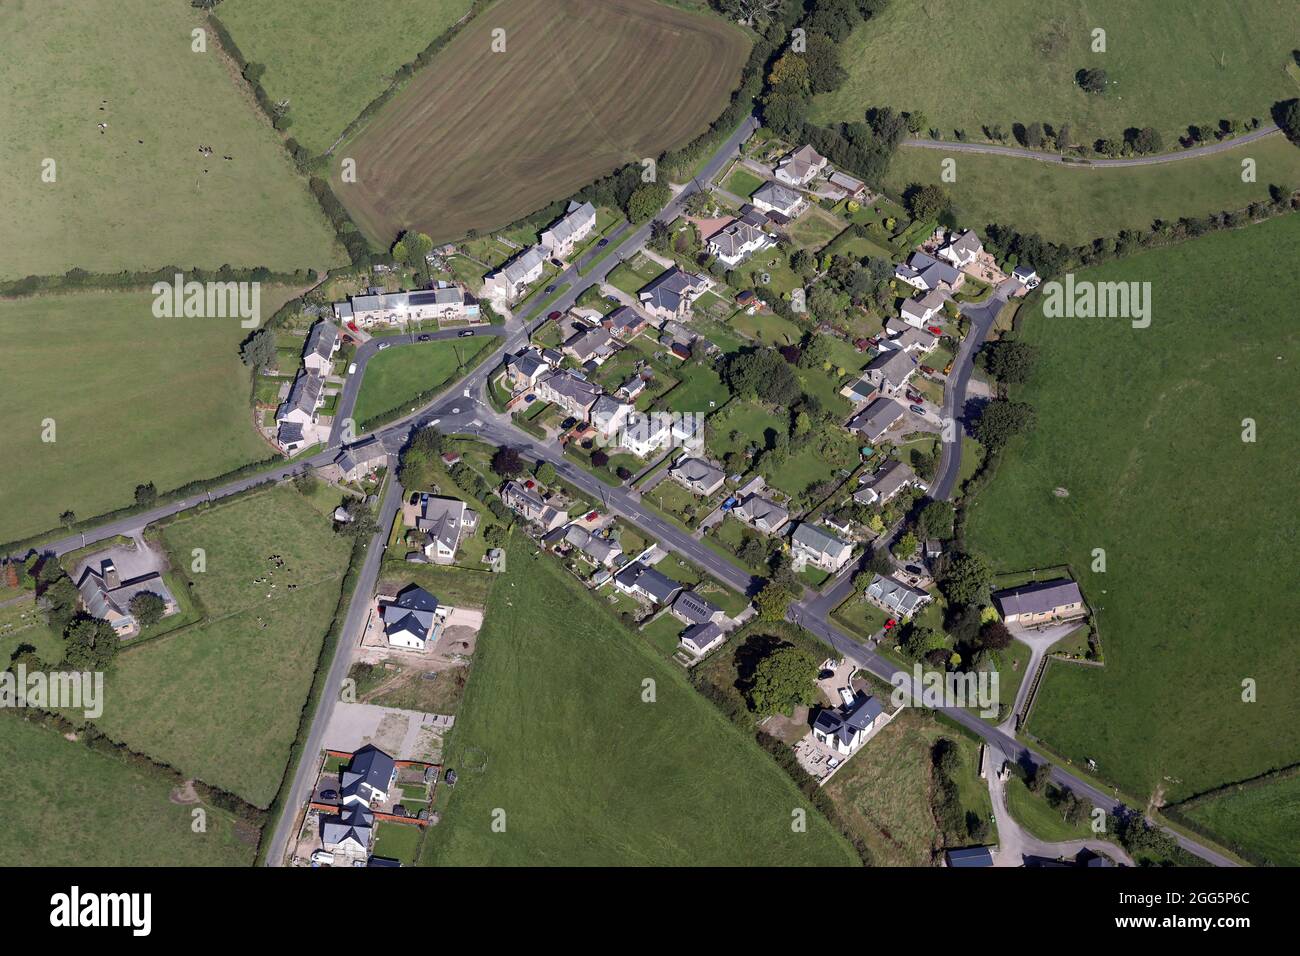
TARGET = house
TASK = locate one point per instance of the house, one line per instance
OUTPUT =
(737, 241)
(630, 389)
(298, 411)
(446, 301)
(962, 251)
(1026, 276)
(970, 856)
(688, 430)
(525, 502)
(922, 310)
(925, 273)
(888, 480)
(526, 368)
(877, 418)
(625, 323)
(512, 280)
(608, 415)
(443, 520)
(367, 778)
(644, 433)
(908, 338)
(322, 342)
(800, 167)
(845, 729)
(356, 461)
(353, 829)
(566, 232)
(569, 392)
(641, 580)
(590, 343)
(105, 594)
(1041, 602)
(892, 595)
(411, 619)
(762, 514)
(697, 475)
(602, 551)
(859, 391)
(690, 608)
(773, 197)
(813, 545)
(671, 294)
(851, 188)
(699, 639)
(889, 371)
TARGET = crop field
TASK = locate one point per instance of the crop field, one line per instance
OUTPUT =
(330, 58)
(1014, 61)
(479, 138)
(400, 374)
(1074, 205)
(84, 808)
(221, 700)
(138, 194)
(134, 399)
(1139, 451)
(595, 776)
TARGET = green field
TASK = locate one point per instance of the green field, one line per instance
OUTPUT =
(595, 776)
(1264, 818)
(221, 701)
(330, 58)
(1034, 813)
(1014, 61)
(400, 374)
(83, 808)
(138, 195)
(134, 399)
(1143, 430)
(1073, 205)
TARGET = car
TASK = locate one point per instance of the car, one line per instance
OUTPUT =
(917, 409)
(936, 329)
(467, 334)
(889, 625)
(914, 397)
(324, 857)
(602, 243)
(947, 368)
(529, 399)
(352, 369)
(549, 289)
(568, 423)
(557, 263)
(423, 338)
(329, 794)
(612, 298)
(555, 316)
(385, 345)
(913, 569)
(925, 370)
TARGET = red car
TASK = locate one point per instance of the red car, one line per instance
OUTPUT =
(554, 316)
(890, 624)
(926, 370)
(936, 329)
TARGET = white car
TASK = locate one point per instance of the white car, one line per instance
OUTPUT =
(323, 857)
(352, 369)
(385, 345)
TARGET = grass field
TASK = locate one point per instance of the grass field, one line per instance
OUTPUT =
(400, 374)
(1034, 813)
(1014, 61)
(221, 701)
(595, 776)
(509, 132)
(1143, 427)
(1265, 818)
(139, 194)
(82, 808)
(134, 399)
(1075, 205)
(330, 58)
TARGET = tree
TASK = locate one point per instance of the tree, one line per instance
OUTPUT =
(68, 518)
(920, 641)
(905, 546)
(660, 236)
(783, 680)
(1000, 420)
(878, 562)
(258, 350)
(1039, 777)
(926, 202)
(306, 483)
(1010, 361)
(764, 374)
(148, 608)
(1287, 116)
(789, 76)
(936, 520)
(146, 495)
(507, 463)
(647, 200)
(785, 115)
(599, 458)
(966, 579)
(90, 645)
(995, 636)
(1091, 80)
(545, 472)
(1034, 135)
(1145, 140)
(495, 535)
(773, 601)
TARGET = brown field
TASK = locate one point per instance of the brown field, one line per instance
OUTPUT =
(478, 139)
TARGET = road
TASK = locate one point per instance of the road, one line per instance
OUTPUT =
(990, 149)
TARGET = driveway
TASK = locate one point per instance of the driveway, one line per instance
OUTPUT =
(1039, 642)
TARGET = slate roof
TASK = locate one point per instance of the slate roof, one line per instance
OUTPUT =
(668, 290)
(694, 608)
(812, 538)
(321, 339)
(410, 612)
(1039, 597)
(700, 636)
(874, 420)
(896, 595)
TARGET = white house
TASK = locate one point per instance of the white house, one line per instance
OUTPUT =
(844, 730)
(890, 594)
(921, 311)
(444, 302)
(887, 481)
(411, 620)
(444, 521)
(925, 273)
(800, 167)
(1026, 276)
(963, 250)
(570, 229)
(907, 337)
(608, 415)
(644, 434)
(322, 342)
(737, 241)
(773, 197)
(671, 294)
(367, 778)
(512, 280)
(812, 545)
(699, 639)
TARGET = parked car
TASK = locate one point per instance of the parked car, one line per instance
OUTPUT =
(549, 289)
(914, 397)
(602, 243)
(913, 569)
(385, 345)
(329, 794)
(423, 338)
(935, 329)
(557, 263)
(529, 399)
(554, 316)
(612, 298)
(917, 409)
(324, 857)
(925, 370)
(889, 625)
(467, 333)
(352, 369)
(947, 368)
(568, 423)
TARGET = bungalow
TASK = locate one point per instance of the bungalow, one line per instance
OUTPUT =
(105, 594)
(851, 188)
(645, 433)
(697, 475)
(877, 418)
(566, 232)
(800, 167)
(630, 389)
(353, 829)
(889, 371)
(925, 273)
(640, 580)
(526, 368)
(690, 608)
(671, 294)
(569, 392)
(773, 197)
(367, 778)
(601, 551)
(888, 480)
(812, 545)
(609, 415)
(845, 729)
(921, 311)
(590, 343)
(962, 251)
(411, 619)
(1042, 602)
(322, 342)
(525, 502)
(908, 337)
(512, 280)
(762, 514)
(699, 639)
(443, 520)
(1026, 276)
(624, 323)
(737, 241)
(892, 595)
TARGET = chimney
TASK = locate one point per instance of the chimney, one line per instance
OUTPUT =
(109, 572)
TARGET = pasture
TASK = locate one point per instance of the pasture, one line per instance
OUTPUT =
(330, 58)
(134, 399)
(1014, 61)
(221, 700)
(1265, 818)
(138, 194)
(595, 776)
(1073, 205)
(1142, 430)
(507, 132)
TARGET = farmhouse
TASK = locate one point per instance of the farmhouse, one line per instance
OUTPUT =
(357, 461)
(105, 594)
(697, 475)
(525, 502)
(671, 294)
(773, 197)
(1042, 602)
(564, 235)
(601, 551)
(892, 595)
(443, 520)
(877, 418)
(412, 618)
(640, 580)
(298, 411)
(322, 342)
(445, 302)
(812, 545)
(889, 371)
(737, 241)
(512, 280)
(888, 480)
(921, 310)
(962, 251)
(800, 167)
(845, 729)
(925, 273)
(573, 394)
(762, 514)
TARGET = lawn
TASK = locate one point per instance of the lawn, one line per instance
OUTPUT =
(330, 58)
(399, 375)
(742, 182)
(102, 367)
(547, 138)
(84, 808)
(398, 841)
(1265, 818)
(1143, 430)
(1074, 204)
(222, 701)
(1033, 812)
(1168, 65)
(594, 776)
(131, 196)
(700, 390)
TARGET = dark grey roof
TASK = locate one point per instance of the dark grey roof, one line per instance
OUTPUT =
(1039, 597)
(874, 420)
(700, 636)
(971, 856)
(370, 766)
(695, 608)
